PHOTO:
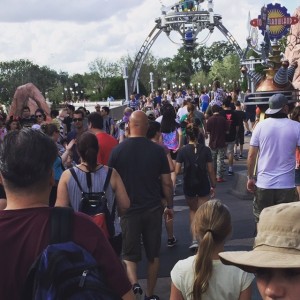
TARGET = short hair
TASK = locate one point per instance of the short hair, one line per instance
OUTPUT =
(81, 108)
(215, 108)
(106, 108)
(49, 128)
(227, 101)
(42, 113)
(79, 112)
(96, 120)
(88, 147)
(54, 113)
(71, 107)
(238, 103)
(26, 159)
(153, 128)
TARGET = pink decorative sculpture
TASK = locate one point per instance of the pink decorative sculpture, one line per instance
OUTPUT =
(28, 95)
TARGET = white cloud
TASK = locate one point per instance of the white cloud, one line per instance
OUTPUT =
(68, 35)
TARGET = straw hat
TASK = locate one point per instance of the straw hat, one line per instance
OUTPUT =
(277, 244)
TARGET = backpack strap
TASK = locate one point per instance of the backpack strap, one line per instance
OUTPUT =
(107, 179)
(76, 178)
(61, 224)
(105, 186)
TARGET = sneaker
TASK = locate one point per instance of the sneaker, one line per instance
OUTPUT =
(137, 290)
(194, 246)
(221, 180)
(230, 173)
(241, 156)
(153, 297)
(247, 133)
(172, 242)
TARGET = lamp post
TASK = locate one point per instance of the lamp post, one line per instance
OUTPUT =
(137, 86)
(125, 77)
(151, 82)
(251, 85)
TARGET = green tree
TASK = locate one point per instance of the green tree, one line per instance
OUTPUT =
(227, 71)
(104, 70)
(18, 72)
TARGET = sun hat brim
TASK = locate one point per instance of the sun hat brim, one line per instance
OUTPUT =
(249, 261)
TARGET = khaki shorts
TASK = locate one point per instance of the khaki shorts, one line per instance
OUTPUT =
(230, 147)
(269, 197)
(146, 224)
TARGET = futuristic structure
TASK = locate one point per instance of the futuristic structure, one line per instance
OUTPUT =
(274, 23)
(188, 19)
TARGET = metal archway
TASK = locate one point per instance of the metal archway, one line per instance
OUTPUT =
(188, 24)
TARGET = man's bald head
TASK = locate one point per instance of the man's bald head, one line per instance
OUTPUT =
(138, 123)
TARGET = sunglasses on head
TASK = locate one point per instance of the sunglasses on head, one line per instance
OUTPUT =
(77, 119)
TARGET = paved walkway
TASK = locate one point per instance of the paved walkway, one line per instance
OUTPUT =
(232, 193)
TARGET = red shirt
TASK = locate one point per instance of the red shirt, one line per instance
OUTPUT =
(26, 232)
(106, 144)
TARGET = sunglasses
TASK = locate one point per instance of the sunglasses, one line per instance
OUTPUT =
(38, 116)
(77, 119)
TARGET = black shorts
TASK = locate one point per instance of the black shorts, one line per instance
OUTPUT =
(173, 154)
(198, 190)
(250, 116)
(147, 224)
(240, 138)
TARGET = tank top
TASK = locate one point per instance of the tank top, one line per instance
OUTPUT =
(170, 140)
(98, 178)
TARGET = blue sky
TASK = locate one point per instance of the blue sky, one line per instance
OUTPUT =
(68, 35)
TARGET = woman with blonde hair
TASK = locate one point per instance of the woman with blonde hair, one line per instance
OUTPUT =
(203, 276)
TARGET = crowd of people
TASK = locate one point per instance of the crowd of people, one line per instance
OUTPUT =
(73, 153)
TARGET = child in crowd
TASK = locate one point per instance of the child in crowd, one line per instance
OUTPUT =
(203, 276)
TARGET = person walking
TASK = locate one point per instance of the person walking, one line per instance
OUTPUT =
(144, 167)
(91, 176)
(106, 141)
(232, 129)
(272, 152)
(203, 276)
(27, 158)
(216, 128)
(199, 179)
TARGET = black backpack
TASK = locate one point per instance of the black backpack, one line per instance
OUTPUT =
(197, 169)
(65, 270)
(96, 205)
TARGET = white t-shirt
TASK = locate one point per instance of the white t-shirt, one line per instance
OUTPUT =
(277, 140)
(181, 112)
(179, 101)
(226, 282)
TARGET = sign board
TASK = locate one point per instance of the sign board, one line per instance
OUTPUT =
(275, 19)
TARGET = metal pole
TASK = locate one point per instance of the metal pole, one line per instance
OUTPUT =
(151, 82)
(137, 86)
(125, 77)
